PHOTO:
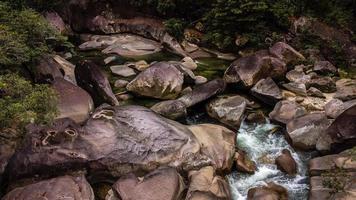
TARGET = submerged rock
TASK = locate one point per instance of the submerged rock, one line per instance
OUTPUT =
(115, 140)
(218, 143)
(204, 184)
(73, 101)
(244, 164)
(68, 187)
(161, 184)
(91, 78)
(228, 109)
(162, 80)
(267, 91)
(286, 163)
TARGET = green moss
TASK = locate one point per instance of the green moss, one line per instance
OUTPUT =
(335, 180)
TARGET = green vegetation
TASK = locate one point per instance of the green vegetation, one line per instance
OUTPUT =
(24, 36)
(223, 20)
(22, 103)
(335, 180)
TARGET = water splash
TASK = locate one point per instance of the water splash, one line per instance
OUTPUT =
(263, 147)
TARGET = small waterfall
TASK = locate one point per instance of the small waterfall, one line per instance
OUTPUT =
(263, 147)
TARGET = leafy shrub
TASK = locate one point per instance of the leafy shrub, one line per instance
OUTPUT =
(22, 103)
(24, 35)
(175, 27)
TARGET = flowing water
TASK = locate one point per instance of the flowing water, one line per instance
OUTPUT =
(263, 147)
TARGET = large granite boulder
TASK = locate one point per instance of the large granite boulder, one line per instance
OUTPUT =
(228, 109)
(244, 163)
(286, 110)
(298, 76)
(324, 67)
(341, 134)
(91, 78)
(64, 187)
(267, 91)
(305, 131)
(73, 101)
(162, 80)
(115, 141)
(218, 143)
(346, 89)
(271, 191)
(250, 69)
(161, 184)
(335, 107)
(205, 185)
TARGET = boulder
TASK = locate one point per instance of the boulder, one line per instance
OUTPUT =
(285, 52)
(121, 83)
(250, 69)
(305, 131)
(218, 144)
(125, 45)
(91, 78)
(341, 133)
(228, 109)
(297, 88)
(324, 67)
(267, 91)
(115, 140)
(122, 70)
(323, 83)
(271, 191)
(346, 89)
(189, 63)
(203, 92)
(172, 109)
(10, 140)
(56, 22)
(64, 187)
(161, 184)
(204, 184)
(298, 76)
(73, 101)
(312, 91)
(334, 108)
(67, 69)
(244, 164)
(286, 163)
(162, 80)
(200, 80)
(285, 111)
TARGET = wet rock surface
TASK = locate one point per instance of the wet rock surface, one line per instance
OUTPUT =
(286, 163)
(115, 140)
(271, 191)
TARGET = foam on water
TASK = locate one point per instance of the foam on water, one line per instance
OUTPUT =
(257, 141)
